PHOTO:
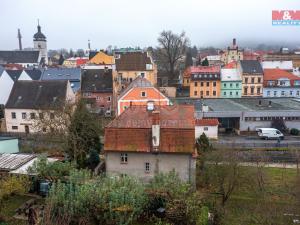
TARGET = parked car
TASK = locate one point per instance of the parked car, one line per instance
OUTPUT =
(269, 133)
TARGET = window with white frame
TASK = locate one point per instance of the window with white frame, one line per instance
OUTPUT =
(143, 94)
(23, 115)
(124, 158)
(147, 167)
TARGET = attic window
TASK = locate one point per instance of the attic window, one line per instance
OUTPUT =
(54, 99)
(20, 97)
(143, 94)
(72, 85)
(96, 75)
(59, 74)
(49, 74)
(68, 74)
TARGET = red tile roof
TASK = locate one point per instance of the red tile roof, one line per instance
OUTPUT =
(175, 116)
(131, 131)
(206, 122)
(275, 74)
(205, 69)
(231, 65)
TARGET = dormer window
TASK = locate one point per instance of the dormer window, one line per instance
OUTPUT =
(143, 94)
(149, 66)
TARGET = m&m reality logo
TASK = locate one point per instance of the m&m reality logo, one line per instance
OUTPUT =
(286, 17)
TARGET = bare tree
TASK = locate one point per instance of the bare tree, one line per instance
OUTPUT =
(172, 47)
(225, 174)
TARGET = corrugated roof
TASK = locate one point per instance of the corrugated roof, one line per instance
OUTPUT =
(10, 162)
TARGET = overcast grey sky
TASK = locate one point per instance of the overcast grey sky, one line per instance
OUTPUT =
(122, 23)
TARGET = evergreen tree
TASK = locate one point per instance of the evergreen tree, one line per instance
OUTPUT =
(93, 159)
(188, 59)
(71, 54)
(83, 135)
(205, 62)
(202, 143)
(61, 59)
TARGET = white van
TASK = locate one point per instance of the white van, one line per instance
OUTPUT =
(269, 133)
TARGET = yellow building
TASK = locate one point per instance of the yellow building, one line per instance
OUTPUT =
(205, 82)
(129, 66)
(252, 78)
(102, 59)
(232, 53)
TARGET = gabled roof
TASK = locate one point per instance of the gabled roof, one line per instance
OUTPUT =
(251, 66)
(14, 74)
(97, 80)
(35, 74)
(230, 75)
(102, 59)
(131, 131)
(284, 65)
(61, 74)
(37, 95)
(137, 82)
(276, 74)
(133, 61)
(206, 122)
(19, 57)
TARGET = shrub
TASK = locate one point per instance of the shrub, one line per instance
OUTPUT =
(294, 131)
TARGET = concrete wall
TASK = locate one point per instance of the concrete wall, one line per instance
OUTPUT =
(211, 132)
(9, 146)
(183, 164)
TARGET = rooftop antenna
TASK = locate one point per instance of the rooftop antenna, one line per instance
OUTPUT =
(20, 41)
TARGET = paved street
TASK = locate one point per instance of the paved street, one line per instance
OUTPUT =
(253, 141)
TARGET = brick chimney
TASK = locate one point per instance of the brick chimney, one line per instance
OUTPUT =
(155, 130)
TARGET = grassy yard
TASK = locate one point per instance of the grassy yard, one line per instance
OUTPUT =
(10, 205)
(250, 207)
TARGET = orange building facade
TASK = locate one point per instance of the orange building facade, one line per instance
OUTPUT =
(139, 93)
(205, 82)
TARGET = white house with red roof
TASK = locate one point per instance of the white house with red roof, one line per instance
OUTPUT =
(280, 83)
(207, 126)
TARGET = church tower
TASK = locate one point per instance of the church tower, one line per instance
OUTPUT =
(40, 43)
